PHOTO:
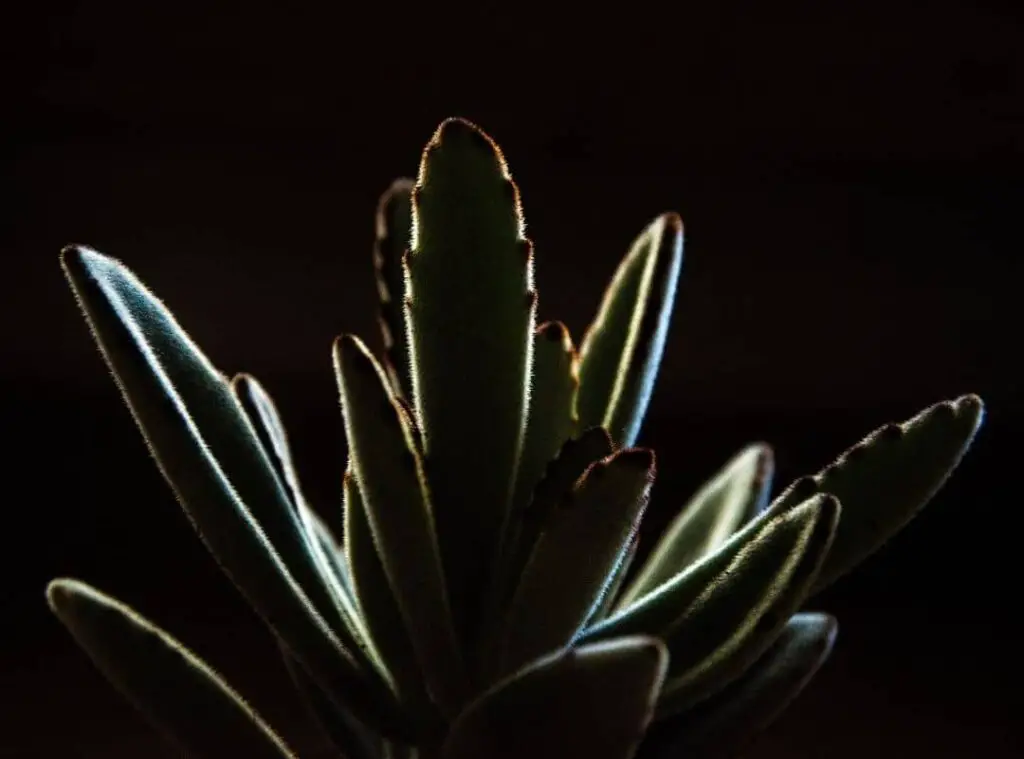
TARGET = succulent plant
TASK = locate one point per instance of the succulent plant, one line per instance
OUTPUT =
(477, 600)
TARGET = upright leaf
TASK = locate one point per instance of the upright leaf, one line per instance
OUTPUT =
(731, 498)
(884, 480)
(379, 609)
(393, 236)
(622, 350)
(470, 314)
(743, 611)
(398, 505)
(180, 694)
(208, 451)
(593, 701)
(575, 558)
(611, 594)
(262, 412)
(721, 726)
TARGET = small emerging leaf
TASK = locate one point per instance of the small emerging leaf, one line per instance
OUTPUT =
(884, 480)
(721, 726)
(575, 558)
(593, 701)
(179, 693)
(470, 314)
(622, 350)
(731, 498)
(394, 493)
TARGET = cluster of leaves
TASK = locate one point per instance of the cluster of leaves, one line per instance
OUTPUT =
(478, 602)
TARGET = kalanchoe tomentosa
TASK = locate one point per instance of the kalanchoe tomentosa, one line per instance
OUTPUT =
(477, 603)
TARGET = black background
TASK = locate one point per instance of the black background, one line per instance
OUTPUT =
(849, 174)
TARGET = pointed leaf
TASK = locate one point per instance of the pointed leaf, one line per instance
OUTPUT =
(393, 237)
(394, 493)
(622, 350)
(383, 618)
(470, 315)
(884, 480)
(339, 726)
(262, 412)
(208, 451)
(731, 498)
(593, 701)
(743, 611)
(722, 725)
(180, 694)
(575, 559)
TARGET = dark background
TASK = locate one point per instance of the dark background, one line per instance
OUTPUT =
(850, 179)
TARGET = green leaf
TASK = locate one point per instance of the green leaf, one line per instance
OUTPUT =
(607, 603)
(575, 558)
(622, 350)
(263, 413)
(208, 451)
(884, 480)
(339, 726)
(731, 498)
(766, 539)
(721, 726)
(744, 609)
(394, 493)
(379, 609)
(393, 237)
(470, 314)
(180, 694)
(593, 701)
(575, 456)
(552, 413)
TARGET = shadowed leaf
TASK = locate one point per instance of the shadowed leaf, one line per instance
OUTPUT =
(393, 237)
(721, 726)
(177, 691)
(575, 557)
(593, 701)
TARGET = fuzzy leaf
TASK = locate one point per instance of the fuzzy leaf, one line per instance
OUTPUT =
(575, 456)
(470, 314)
(607, 603)
(622, 350)
(379, 609)
(209, 452)
(552, 413)
(263, 413)
(180, 694)
(394, 493)
(884, 480)
(393, 237)
(339, 726)
(593, 701)
(742, 612)
(721, 726)
(662, 612)
(731, 498)
(575, 558)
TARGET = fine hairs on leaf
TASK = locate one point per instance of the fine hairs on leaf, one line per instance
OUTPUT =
(471, 592)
